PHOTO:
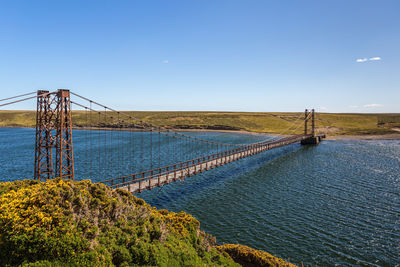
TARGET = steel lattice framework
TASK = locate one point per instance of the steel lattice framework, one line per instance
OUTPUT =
(54, 131)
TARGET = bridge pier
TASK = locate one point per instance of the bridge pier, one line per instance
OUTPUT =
(312, 140)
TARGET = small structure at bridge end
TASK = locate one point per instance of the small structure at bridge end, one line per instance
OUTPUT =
(312, 139)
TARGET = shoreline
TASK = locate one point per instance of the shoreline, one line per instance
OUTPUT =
(364, 137)
(395, 136)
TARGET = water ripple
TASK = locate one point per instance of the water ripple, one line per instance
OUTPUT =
(332, 205)
(336, 204)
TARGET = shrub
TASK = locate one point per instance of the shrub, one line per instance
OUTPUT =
(61, 223)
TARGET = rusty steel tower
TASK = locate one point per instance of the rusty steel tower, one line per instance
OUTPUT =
(54, 130)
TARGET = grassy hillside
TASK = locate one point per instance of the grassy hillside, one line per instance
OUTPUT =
(329, 123)
(65, 223)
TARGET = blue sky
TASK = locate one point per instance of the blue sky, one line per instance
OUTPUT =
(206, 55)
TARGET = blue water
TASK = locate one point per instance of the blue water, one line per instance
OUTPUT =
(336, 204)
(101, 155)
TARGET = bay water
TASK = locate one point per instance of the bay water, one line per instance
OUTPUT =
(335, 204)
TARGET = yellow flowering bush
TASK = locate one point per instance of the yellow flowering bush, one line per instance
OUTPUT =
(62, 222)
(67, 223)
(251, 256)
(181, 222)
(24, 211)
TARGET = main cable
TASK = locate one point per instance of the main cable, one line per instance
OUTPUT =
(24, 99)
(8, 98)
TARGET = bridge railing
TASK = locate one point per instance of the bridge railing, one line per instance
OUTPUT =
(122, 181)
(186, 165)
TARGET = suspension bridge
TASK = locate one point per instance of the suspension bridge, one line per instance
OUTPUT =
(124, 151)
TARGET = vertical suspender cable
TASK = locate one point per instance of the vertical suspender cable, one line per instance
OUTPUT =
(168, 156)
(111, 148)
(141, 150)
(98, 146)
(190, 156)
(119, 156)
(86, 141)
(159, 149)
(86, 137)
(182, 150)
(132, 145)
(90, 139)
(151, 149)
(174, 144)
(105, 144)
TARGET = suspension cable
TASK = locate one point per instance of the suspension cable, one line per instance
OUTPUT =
(151, 125)
(274, 138)
(24, 99)
(8, 98)
(166, 131)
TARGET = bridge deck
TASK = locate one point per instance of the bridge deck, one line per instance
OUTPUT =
(139, 182)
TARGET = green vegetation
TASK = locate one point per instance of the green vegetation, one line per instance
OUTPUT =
(66, 223)
(329, 123)
(246, 255)
(17, 118)
(389, 120)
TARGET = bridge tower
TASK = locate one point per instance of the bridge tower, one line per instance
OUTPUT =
(305, 121)
(54, 132)
(312, 122)
(307, 117)
(313, 139)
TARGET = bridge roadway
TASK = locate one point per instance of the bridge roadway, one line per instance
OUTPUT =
(142, 181)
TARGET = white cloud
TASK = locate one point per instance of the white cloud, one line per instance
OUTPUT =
(360, 60)
(165, 61)
(373, 105)
(374, 58)
(322, 108)
(353, 106)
